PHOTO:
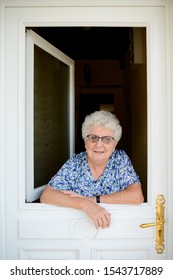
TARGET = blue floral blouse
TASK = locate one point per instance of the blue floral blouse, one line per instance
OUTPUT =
(75, 175)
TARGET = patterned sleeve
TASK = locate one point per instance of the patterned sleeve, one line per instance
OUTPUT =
(127, 174)
(63, 179)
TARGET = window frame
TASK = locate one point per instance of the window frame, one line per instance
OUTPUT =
(32, 194)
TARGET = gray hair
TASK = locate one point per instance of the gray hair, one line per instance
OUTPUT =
(102, 118)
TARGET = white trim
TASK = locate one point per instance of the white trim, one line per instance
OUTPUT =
(149, 25)
(154, 107)
(22, 113)
(84, 3)
(29, 107)
(169, 59)
(2, 141)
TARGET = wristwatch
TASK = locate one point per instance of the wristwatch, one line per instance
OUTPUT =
(98, 198)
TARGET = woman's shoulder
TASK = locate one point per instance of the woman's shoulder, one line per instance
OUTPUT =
(74, 161)
(119, 153)
(121, 157)
(78, 157)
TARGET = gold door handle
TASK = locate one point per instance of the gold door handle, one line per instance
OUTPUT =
(159, 224)
(149, 225)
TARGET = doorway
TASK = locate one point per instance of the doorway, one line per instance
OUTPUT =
(49, 232)
(110, 74)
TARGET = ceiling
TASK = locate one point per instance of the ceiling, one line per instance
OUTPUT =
(88, 43)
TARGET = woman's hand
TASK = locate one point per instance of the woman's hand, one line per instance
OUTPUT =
(98, 214)
(95, 212)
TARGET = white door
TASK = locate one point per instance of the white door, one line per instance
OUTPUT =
(37, 231)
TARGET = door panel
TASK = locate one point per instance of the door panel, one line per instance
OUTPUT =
(74, 233)
(34, 230)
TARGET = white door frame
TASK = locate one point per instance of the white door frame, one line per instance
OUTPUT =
(2, 123)
(169, 62)
(169, 59)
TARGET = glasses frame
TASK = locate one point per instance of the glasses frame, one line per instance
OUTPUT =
(109, 138)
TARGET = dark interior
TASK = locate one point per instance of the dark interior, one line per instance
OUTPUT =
(88, 43)
(108, 74)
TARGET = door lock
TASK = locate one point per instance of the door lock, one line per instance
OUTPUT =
(159, 224)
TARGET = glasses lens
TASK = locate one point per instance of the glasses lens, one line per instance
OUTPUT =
(93, 138)
(106, 139)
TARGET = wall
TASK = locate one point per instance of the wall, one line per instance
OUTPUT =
(139, 124)
(102, 72)
(128, 85)
(135, 81)
(50, 117)
(99, 83)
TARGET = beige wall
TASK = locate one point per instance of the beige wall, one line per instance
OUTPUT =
(139, 124)
(129, 87)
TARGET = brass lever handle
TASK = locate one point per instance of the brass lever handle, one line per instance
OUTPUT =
(160, 221)
(150, 225)
(160, 201)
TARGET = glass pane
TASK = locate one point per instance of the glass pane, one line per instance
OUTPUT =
(51, 147)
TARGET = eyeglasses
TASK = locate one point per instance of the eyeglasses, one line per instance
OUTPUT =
(105, 139)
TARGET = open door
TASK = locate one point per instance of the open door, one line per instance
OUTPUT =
(50, 112)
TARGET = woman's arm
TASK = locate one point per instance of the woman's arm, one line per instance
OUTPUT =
(95, 212)
(131, 195)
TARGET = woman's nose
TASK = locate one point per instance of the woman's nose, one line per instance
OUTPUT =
(99, 142)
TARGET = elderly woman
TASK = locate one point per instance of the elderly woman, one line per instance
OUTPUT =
(101, 174)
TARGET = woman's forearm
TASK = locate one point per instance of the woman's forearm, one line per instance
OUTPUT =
(98, 214)
(131, 195)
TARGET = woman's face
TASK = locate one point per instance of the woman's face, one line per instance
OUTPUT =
(99, 152)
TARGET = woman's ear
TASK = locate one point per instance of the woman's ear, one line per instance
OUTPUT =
(84, 142)
(116, 143)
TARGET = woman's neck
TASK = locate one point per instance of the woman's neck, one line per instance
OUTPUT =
(96, 169)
